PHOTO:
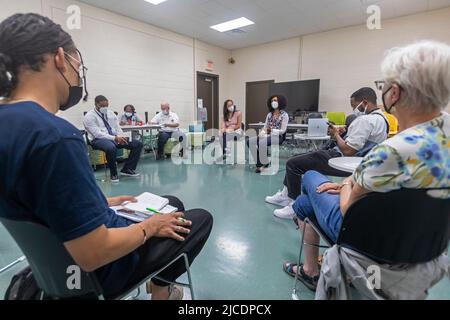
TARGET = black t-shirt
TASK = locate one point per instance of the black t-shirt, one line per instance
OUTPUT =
(45, 177)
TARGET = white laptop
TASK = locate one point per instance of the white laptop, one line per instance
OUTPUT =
(318, 128)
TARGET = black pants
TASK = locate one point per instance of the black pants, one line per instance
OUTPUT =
(165, 136)
(157, 253)
(110, 148)
(258, 148)
(318, 161)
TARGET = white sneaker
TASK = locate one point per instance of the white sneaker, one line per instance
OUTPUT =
(280, 198)
(287, 213)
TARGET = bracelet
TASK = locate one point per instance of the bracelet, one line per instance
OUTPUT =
(145, 233)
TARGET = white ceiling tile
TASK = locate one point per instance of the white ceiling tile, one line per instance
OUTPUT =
(274, 19)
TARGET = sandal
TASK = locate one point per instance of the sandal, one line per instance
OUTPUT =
(309, 282)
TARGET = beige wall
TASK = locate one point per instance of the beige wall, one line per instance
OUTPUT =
(344, 59)
(132, 62)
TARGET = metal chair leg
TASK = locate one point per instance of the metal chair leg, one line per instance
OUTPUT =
(188, 271)
(295, 295)
(12, 264)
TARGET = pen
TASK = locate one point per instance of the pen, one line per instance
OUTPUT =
(153, 210)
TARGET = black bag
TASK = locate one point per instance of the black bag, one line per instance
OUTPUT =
(23, 287)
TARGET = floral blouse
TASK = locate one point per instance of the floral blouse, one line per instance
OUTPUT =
(417, 158)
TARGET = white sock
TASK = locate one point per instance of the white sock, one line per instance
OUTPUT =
(285, 191)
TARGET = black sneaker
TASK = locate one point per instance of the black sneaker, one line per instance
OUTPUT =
(115, 179)
(129, 173)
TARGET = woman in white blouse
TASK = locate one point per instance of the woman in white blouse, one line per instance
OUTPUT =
(274, 131)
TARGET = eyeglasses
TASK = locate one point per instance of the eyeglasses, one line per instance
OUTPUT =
(380, 84)
(82, 70)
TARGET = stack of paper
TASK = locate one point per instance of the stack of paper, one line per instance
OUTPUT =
(145, 207)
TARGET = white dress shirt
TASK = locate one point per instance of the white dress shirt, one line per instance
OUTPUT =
(96, 129)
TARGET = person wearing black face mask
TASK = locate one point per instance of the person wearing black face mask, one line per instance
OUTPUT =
(46, 178)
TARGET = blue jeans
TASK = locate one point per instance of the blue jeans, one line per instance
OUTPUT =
(110, 148)
(324, 208)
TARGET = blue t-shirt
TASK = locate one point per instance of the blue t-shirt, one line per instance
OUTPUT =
(45, 177)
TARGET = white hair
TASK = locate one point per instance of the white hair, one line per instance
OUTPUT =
(422, 70)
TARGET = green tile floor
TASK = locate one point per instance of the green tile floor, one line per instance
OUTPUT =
(243, 257)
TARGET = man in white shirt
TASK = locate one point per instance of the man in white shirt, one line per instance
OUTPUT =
(170, 124)
(105, 134)
(369, 129)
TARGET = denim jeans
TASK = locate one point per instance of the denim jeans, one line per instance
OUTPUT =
(324, 208)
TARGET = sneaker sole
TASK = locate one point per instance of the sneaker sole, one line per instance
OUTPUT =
(284, 218)
(129, 175)
(282, 204)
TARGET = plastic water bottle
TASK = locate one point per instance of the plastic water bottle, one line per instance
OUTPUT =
(133, 121)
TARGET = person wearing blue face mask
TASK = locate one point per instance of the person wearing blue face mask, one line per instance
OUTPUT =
(106, 135)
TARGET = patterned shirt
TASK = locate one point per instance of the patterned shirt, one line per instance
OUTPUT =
(417, 158)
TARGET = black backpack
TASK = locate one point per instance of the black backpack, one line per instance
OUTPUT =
(23, 287)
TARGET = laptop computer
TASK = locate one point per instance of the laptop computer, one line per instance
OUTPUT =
(318, 128)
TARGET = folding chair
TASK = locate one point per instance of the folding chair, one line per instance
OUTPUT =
(403, 227)
(50, 262)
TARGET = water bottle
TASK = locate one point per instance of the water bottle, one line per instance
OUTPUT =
(133, 120)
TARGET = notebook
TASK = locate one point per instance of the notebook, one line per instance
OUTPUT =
(137, 216)
(147, 201)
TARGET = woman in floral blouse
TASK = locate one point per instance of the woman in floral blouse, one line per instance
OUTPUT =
(416, 89)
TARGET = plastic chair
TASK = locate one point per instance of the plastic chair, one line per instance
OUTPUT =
(338, 118)
(393, 124)
(397, 228)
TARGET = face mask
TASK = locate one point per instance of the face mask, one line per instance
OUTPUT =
(104, 110)
(129, 114)
(166, 113)
(231, 109)
(388, 110)
(275, 105)
(75, 95)
(358, 112)
(75, 92)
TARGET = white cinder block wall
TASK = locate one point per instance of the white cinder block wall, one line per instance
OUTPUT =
(344, 59)
(132, 62)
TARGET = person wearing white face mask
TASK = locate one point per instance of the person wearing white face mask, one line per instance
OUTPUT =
(365, 132)
(105, 134)
(130, 117)
(170, 128)
(231, 124)
(274, 130)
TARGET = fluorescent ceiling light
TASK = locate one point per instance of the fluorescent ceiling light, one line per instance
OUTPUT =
(232, 25)
(155, 2)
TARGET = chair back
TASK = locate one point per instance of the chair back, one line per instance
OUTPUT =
(393, 124)
(400, 227)
(338, 118)
(54, 269)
